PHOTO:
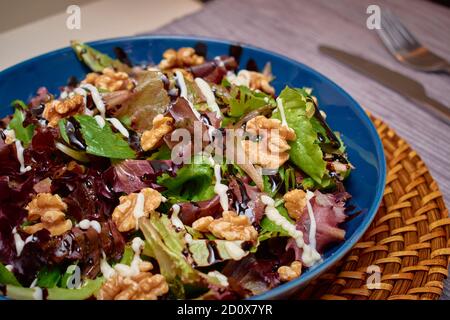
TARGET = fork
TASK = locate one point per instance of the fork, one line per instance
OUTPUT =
(406, 48)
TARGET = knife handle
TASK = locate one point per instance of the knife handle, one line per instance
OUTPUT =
(441, 111)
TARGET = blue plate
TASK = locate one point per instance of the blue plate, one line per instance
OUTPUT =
(366, 182)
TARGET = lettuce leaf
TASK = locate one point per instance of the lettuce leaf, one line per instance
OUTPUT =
(96, 60)
(24, 134)
(193, 182)
(7, 277)
(103, 142)
(270, 230)
(305, 151)
(244, 100)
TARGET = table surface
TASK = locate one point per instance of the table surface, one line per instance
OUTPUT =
(295, 28)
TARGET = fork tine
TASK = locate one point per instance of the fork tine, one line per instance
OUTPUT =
(388, 35)
(402, 34)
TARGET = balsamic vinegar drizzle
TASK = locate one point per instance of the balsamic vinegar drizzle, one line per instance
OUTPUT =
(201, 49)
(74, 134)
(122, 56)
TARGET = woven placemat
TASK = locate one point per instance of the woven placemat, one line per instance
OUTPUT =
(408, 241)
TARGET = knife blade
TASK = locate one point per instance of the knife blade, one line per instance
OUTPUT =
(403, 85)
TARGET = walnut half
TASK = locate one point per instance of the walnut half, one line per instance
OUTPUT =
(271, 149)
(58, 109)
(230, 227)
(144, 286)
(184, 57)
(49, 209)
(134, 206)
(109, 80)
(295, 202)
(161, 126)
(288, 273)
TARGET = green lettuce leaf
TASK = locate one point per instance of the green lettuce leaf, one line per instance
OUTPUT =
(24, 134)
(244, 100)
(305, 151)
(193, 182)
(270, 230)
(7, 277)
(103, 142)
(49, 277)
(96, 60)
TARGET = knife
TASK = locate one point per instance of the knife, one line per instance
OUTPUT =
(403, 85)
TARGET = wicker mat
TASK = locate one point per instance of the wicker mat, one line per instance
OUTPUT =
(409, 239)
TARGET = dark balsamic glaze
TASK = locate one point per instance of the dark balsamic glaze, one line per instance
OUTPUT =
(213, 253)
(201, 49)
(73, 130)
(334, 141)
(134, 141)
(72, 82)
(251, 65)
(236, 52)
(122, 56)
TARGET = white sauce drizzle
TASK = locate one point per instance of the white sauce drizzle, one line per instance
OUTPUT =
(283, 116)
(309, 256)
(18, 241)
(82, 92)
(119, 126)
(138, 210)
(96, 97)
(19, 151)
(312, 219)
(100, 121)
(86, 224)
(220, 189)
(9, 267)
(209, 95)
(241, 79)
(184, 92)
(124, 270)
(177, 223)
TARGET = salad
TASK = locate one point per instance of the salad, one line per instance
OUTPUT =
(186, 179)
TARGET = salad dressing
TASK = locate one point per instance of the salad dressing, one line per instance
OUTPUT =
(209, 95)
(100, 121)
(220, 189)
(119, 126)
(138, 211)
(86, 224)
(18, 241)
(312, 219)
(282, 114)
(96, 97)
(19, 151)
(184, 93)
(83, 93)
(309, 256)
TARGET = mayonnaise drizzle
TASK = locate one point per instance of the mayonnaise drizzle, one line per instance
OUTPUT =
(96, 97)
(309, 256)
(184, 92)
(119, 126)
(209, 95)
(177, 223)
(138, 210)
(220, 189)
(312, 219)
(281, 109)
(82, 92)
(86, 224)
(100, 121)
(19, 151)
(124, 270)
(18, 241)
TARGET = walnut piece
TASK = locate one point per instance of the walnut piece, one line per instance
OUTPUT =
(58, 109)
(127, 213)
(161, 126)
(109, 80)
(254, 80)
(184, 57)
(230, 227)
(288, 273)
(143, 286)
(295, 202)
(49, 209)
(271, 149)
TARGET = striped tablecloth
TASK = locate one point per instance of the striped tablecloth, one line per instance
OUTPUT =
(296, 27)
